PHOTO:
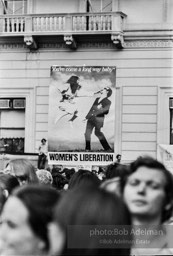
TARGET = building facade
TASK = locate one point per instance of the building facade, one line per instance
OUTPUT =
(135, 36)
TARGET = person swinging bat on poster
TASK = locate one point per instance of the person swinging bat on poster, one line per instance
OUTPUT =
(95, 119)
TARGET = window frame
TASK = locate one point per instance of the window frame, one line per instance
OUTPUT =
(163, 117)
(89, 6)
(171, 120)
(29, 95)
(6, 9)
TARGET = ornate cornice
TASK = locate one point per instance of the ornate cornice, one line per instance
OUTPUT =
(9, 46)
(97, 45)
(53, 45)
(148, 44)
(86, 45)
(92, 45)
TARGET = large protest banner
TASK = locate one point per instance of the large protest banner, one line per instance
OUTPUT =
(81, 115)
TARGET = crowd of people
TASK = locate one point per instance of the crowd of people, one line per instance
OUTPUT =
(123, 209)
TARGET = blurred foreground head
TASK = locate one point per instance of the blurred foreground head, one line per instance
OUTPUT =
(114, 173)
(78, 213)
(83, 178)
(7, 184)
(148, 191)
(25, 218)
(23, 170)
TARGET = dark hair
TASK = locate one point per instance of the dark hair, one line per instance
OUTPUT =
(116, 170)
(90, 206)
(43, 140)
(152, 163)
(83, 178)
(8, 182)
(58, 181)
(69, 173)
(39, 201)
(73, 84)
(72, 79)
(109, 91)
(3, 199)
(55, 169)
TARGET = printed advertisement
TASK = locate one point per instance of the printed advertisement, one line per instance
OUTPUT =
(81, 115)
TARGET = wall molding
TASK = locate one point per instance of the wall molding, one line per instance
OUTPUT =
(148, 44)
(94, 45)
(9, 46)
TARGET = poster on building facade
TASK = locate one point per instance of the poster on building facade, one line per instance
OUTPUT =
(166, 156)
(81, 115)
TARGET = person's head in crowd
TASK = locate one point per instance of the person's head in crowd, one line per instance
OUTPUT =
(59, 181)
(43, 141)
(56, 169)
(95, 169)
(44, 177)
(25, 218)
(118, 157)
(148, 191)
(69, 173)
(83, 178)
(114, 173)
(48, 168)
(3, 198)
(115, 170)
(99, 171)
(8, 182)
(23, 170)
(85, 207)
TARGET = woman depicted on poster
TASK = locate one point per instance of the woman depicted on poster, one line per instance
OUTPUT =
(67, 102)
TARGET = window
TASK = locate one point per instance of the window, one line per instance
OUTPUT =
(98, 22)
(171, 119)
(14, 7)
(164, 115)
(12, 125)
(17, 7)
(99, 5)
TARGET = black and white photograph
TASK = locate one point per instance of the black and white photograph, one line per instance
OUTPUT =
(86, 127)
(81, 110)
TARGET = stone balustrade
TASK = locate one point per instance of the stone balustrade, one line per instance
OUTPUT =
(60, 23)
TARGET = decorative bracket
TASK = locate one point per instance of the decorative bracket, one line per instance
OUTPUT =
(70, 41)
(30, 42)
(118, 40)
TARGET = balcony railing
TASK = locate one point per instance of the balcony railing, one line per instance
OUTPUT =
(75, 23)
